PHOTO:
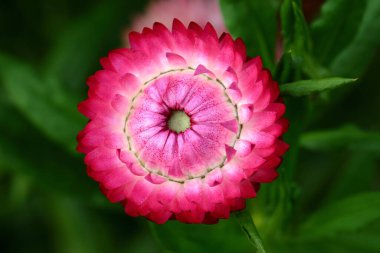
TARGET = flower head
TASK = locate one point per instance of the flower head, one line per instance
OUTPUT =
(182, 125)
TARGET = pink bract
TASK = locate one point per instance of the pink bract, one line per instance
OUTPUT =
(182, 125)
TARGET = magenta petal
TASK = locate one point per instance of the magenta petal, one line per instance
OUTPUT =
(120, 103)
(116, 195)
(155, 179)
(230, 152)
(168, 191)
(137, 170)
(160, 217)
(129, 83)
(141, 191)
(231, 125)
(247, 189)
(245, 113)
(234, 173)
(193, 189)
(234, 92)
(243, 148)
(203, 70)
(230, 76)
(176, 60)
(126, 157)
(115, 140)
(214, 178)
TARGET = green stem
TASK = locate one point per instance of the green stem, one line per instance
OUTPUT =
(248, 226)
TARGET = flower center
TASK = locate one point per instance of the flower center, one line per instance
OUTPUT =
(178, 121)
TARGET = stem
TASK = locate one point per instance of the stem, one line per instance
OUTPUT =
(248, 226)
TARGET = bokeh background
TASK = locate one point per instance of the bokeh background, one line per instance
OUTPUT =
(327, 196)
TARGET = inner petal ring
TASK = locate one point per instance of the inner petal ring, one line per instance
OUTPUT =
(199, 145)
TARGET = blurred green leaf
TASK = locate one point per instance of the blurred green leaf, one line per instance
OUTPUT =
(298, 42)
(294, 28)
(46, 107)
(343, 216)
(307, 87)
(352, 177)
(364, 241)
(256, 23)
(247, 224)
(354, 58)
(336, 27)
(25, 151)
(337, 244)
(73, 233)
(285, 69)
(226, 236)
(344, 137)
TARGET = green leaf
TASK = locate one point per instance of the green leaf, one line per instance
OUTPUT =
(284, 69)
(201, 238)
(249, 228)
(256, 23)
(344, 137)
(25, 151)
(297, 41)
(294, 28)
(307, 87)
(352, 177)
(336, 27)
(77, 228)
(363, 241)
(47, 108)
(344, 216)
(354, 59)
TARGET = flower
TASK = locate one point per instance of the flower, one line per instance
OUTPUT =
(182, 125)
(164, 11)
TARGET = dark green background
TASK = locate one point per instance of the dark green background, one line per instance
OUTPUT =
(326, 198)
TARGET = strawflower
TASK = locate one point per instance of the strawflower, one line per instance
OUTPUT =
(183, 125)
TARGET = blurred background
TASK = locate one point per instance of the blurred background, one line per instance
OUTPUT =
(327, 196)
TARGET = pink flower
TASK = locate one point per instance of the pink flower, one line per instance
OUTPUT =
(182, 125)
(164, 11)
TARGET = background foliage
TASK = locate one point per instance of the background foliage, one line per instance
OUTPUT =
(327, 197)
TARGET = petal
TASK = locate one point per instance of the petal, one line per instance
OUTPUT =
(267, 172)
(115, 140)
(231, 125)
(230, 152)
(243, 148)
(247, 190)
(176, 60)
(193, 190)
(203, 70)
(245, 113)
(141, 191)
(215, 177)
(229, 77)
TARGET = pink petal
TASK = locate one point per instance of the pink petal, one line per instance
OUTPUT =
(203, 70)
(231, 125)
(245, 112)
(176, 60)
(193, 190)
(214, 177)
(230, 152)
